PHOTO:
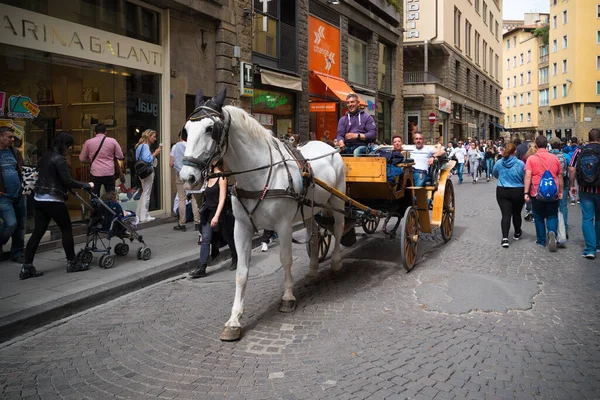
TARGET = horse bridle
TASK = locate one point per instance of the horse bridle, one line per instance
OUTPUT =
(220, 134)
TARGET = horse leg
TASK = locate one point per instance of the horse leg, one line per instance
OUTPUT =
(338, 231)
(288, 301)
(243, 245)
(312, 235)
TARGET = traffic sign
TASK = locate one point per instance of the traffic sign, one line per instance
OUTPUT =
(432, 118)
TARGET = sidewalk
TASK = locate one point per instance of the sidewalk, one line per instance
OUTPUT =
(26, 305)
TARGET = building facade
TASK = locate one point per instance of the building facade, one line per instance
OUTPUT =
(452, 68)
(131, 65)
(307, 55)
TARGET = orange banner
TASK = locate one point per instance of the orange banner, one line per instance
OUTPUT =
(322, 107)
(324, 47)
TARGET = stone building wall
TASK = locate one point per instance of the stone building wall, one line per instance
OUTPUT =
(302, 98)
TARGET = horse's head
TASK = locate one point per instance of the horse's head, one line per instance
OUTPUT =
(206, 139)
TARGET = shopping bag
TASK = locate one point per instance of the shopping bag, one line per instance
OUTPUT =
(561, 235)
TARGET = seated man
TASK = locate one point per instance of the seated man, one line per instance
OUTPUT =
(393, 156)
(356, 130)
(423, 158)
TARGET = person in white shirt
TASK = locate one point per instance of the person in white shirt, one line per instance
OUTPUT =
(461, 157)
(423, 158)
(176, 162)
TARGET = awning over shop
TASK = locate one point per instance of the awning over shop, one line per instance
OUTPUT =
(280, 80)
(497, 125)
(332, 84)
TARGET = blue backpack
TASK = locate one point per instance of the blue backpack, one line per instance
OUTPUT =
(547, 189)
(588, 166)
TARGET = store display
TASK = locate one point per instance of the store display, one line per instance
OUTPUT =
(91, 94)
(44, 94)
(88, 119)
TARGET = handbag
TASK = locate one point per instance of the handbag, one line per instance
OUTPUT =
(142, 168)
(30, 177)
(561, 234)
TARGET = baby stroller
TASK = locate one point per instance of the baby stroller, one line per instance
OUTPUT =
(108, 219)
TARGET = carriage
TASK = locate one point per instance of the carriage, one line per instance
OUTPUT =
(370, 197)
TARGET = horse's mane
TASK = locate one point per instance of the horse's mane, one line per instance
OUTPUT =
(247, 123)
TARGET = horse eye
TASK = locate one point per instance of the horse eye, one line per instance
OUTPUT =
(209, 129)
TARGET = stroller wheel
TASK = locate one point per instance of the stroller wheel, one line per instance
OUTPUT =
(122, 249)
(85, 256)
(106, 261)
(144, 253)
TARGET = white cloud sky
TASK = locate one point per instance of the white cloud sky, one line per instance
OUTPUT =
(514, 9)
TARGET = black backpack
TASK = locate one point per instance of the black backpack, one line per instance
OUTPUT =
(588, 166)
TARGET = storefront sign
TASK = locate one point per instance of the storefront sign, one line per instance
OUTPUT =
(324, 48)
(146, 107)
(2, 101)
(323, 107)
(419, 15)
(264, 119)
(445, 105)
(266, 99)
(22, 107)
(246, 80)
(24, 28)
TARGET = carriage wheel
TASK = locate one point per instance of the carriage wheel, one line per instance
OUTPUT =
(409, 238)
(448, 212)
(370, 225)
(324, 244)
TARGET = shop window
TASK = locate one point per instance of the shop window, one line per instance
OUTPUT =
(265, 35)
(384, 70)
(126, 18)
(274, 41)
(384, 120)
(274, 110)
(357, 59)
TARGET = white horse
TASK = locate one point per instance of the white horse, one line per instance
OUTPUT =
(229, 133)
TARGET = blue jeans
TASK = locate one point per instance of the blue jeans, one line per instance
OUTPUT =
(545, 214)
(420, 178)
(14, 214)
(356, 149)
(489, 166)
(459, 170)
(590, 221)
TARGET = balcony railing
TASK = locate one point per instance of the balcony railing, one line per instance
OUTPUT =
(420, 77)
(544, 59)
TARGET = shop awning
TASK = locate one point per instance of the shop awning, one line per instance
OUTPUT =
(497, 125)
(280, 80)
(337, 86)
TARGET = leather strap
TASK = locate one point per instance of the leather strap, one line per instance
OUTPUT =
(98, 151)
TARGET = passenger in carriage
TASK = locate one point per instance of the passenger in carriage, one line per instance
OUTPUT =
(356, 130)
(423, 158)
(393, 156)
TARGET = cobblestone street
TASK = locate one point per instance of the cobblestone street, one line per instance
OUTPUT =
(472, 321)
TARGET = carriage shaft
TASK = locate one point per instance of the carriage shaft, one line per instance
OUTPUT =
(354, 203)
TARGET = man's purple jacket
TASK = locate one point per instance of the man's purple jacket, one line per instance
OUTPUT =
(361, 122)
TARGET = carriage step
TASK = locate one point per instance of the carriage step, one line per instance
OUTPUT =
(422, 187)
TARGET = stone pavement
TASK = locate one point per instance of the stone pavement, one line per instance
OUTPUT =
(369, 331)
(28, 304)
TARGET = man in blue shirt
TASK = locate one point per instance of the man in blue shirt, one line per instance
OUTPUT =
(13, 209)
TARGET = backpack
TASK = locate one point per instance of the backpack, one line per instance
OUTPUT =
(547, 188)
(563, 164)
(588, 166)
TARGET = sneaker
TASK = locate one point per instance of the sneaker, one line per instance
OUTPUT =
(149, 219)
(488, 179)
(517, 235)
(505, 243)
(578, 201)
(197, 227)
(552, 244)
(181, 228)
(474, 181)
(528, 216)
(77, 266)
(264, 247)
(589, 256)
(29, 271)
(573, 203)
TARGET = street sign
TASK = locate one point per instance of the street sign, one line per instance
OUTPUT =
(246, 79)
(432, 118)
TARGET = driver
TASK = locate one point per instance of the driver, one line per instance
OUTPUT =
(356, 129)
(423, 158)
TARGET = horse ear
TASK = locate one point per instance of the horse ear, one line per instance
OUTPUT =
(199, 99)
(220, 99)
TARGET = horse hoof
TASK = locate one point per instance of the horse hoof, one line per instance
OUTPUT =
(231, 334)
(336, 266)
(311, 280)
(287, 306)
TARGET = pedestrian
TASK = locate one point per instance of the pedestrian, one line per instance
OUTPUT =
(101, 152)
(545, 213)
(510, 172)
(265, 239)
(142, 153)
(531, 150)
(585, 166)
(523, 147)
(564, 159)
(491, 151)
(176, 162)
(474, 157)
(215, 215)
(461, 158)
(49, 203)
(13, 206)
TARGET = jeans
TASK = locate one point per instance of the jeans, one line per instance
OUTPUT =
(474, 165)
(45, 211)
(207, 234)
(459, 170)
(14, 214)
(420, 178)
(511, 202)
(590, 221)
(545, 214)
(355, 149)
(489, 166)
(107, 181)
(144, 203)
